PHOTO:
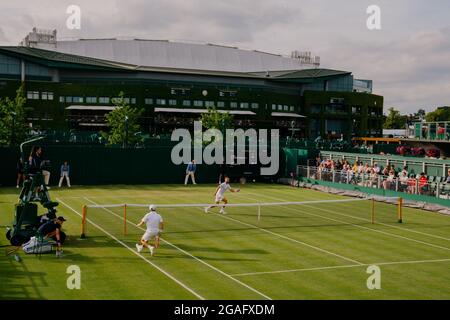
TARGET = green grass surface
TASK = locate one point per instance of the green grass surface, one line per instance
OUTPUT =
(313, 251)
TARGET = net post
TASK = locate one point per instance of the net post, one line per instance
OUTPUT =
(373, 211)
(83, 221)
(400, 210)
(125, 219)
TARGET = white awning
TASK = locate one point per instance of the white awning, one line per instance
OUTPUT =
(93, 124)
(287, 114)
(105, 108)
(179, 110)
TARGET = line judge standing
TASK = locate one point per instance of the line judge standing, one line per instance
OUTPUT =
(190, 172)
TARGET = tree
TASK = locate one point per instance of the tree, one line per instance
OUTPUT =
(394, 120)
(13, 126)
(214, 119)
(440, 114)
(123, 122)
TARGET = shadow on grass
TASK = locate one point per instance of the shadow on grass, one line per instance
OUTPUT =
(221, 250)
(313, 227)
(17, 282)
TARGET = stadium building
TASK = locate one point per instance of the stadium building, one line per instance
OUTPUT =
(72, 84)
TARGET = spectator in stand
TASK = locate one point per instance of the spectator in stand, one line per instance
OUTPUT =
(20, 173)
(405, 170)
(360, 168)
(412, 185)
(423, 184)
(389, 181)
(386, 170)
(403, 186)
(373, 178)
(65, 171)
(376, 168)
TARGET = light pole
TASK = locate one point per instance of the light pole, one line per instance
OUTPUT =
(125, 142)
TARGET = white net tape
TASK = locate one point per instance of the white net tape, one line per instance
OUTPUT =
(256, 204)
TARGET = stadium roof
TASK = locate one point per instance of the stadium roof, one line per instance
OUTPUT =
(52, 58)
(56, 59)
(180, 55)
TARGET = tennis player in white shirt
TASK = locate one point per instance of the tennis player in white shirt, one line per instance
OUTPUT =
(155, 226)
(219, 195)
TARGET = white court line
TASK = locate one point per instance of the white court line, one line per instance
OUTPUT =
(192, 256)
(340, 267)
(136, 253)
(358, 226)
(291, 239)
(384, 224)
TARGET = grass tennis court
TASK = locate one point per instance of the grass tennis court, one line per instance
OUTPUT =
(312, 251)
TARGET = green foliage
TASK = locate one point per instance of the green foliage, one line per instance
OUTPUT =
(214, 119)
(13, 126)
(440, 114)
(394, 120)
(120, 128)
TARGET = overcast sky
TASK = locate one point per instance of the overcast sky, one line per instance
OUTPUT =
(408, 59)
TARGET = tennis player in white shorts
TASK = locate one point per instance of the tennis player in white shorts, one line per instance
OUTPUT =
(219, 195)
(155, 226)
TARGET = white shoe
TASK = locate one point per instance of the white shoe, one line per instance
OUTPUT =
(139, 247)
(206, 209)
(152, 250)
(222, 212)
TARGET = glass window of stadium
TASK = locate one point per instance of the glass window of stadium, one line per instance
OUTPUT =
(220, 104)
(47, 95)
(33, 95)
(274, 107)
(172, 102)
(91, 99)
(255, 105)
(233, 104)
(103, 99)
(209, 104)
(161, 102)
(148, 101)
(186, 103)
(244, 105)
(198, 103)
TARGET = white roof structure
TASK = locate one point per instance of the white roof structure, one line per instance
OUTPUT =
(178, 55)
(104, 108)
(286, 114)
(178, 110)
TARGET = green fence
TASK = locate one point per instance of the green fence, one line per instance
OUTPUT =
(92, 165)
